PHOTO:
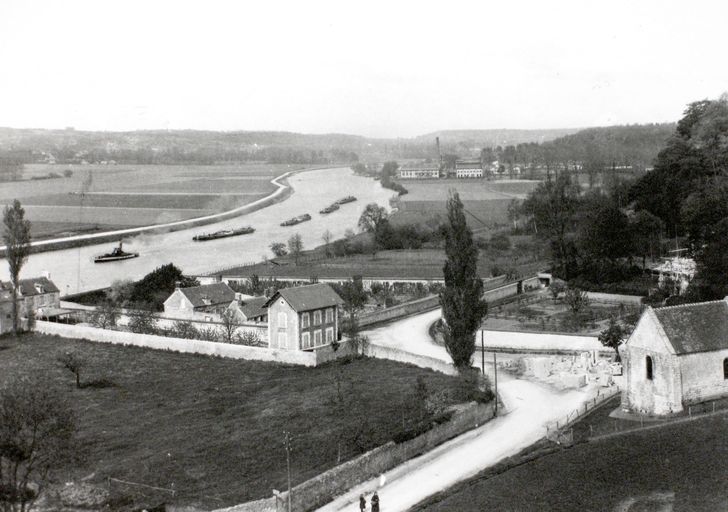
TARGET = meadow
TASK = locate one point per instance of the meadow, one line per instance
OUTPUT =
(103, 197)
(676, 467)
(486, 201)
(211, 429)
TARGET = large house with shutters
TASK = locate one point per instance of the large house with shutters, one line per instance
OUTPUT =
(37, 294)
(303, 317)
(676, 356)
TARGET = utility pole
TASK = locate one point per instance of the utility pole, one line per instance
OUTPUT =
(495, 372)
(482, 352)
(287, 445)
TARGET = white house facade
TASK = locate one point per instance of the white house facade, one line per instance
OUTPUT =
(303, 317)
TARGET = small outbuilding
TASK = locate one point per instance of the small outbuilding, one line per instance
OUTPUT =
(676, 356)
(207, 298)
(303, 317)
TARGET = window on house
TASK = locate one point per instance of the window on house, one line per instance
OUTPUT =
(306, 340)
(317, 317)
(282, 320)
(725, 368)
(282, 340)
(648, 364)
(305, 320)
(330, 335)
(330, 315)
(317, 337)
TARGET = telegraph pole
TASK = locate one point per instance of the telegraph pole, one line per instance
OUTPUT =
(482, 352)
(287, 445)
(495, 372)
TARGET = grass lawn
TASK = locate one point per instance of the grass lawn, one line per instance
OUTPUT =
(209, 428)
(681, 464)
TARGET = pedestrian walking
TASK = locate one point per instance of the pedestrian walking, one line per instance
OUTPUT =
(362, 503)
(375, 502)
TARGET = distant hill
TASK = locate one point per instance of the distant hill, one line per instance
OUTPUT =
(494, 137)
(635, 143)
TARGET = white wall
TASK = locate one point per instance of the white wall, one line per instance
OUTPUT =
(702, 376)
(177, 344)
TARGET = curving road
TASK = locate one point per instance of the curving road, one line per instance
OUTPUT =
(73, 270)
(529, 407)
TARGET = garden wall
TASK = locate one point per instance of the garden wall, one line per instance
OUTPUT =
(401, 310)
(177, 344)
(393, 354)
(323, 488)
(612, 298)
(523, 341)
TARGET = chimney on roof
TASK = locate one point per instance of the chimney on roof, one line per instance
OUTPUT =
(177, 285)
(46, 274)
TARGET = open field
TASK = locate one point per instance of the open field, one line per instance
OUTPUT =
(469, 189)
(209, 428)
(486, 201)
(135, 195)
(676, 467)
(412, 264)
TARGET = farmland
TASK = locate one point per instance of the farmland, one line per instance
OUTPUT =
(103, 197)
(486, 200)
(676, 467)
(210, 428)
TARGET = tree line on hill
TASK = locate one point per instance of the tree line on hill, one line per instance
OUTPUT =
(595, 236)
(592, 150)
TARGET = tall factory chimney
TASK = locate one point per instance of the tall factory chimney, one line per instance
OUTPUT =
(439, 155)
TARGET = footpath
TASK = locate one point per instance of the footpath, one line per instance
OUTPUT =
(529, 407)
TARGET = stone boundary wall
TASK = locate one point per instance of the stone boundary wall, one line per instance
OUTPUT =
(530, 341)
(612, 298)
(323, 488)
(400, 310)
(393, 354)
(166, 322)
(209, 348)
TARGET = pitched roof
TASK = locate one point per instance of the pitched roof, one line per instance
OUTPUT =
(700, 327)
(306, 298)
(253, 308)
(209, 294)
(28, 286)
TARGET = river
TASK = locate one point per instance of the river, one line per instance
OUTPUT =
(73, 270)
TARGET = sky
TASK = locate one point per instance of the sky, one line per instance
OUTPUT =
(374, 68)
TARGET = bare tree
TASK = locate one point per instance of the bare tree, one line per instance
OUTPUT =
(230, 325)
(74, 363)
(36, 433)
(576, 299)
(105, 316)
(295, 246)
(326, 238)
(17, 248)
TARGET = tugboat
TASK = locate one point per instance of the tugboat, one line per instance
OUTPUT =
(117, 254)
(347, 199)
(296, 220)
(329, 209)
(223, 234)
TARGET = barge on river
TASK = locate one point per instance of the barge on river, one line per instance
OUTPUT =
(223, 234)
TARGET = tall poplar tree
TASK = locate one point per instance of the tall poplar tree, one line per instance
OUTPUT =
(462, 305)
(17, 248)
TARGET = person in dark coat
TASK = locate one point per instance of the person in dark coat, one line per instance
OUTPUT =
(375, 502)
(362, 503)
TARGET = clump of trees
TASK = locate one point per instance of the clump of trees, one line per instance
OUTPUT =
(154, 288)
